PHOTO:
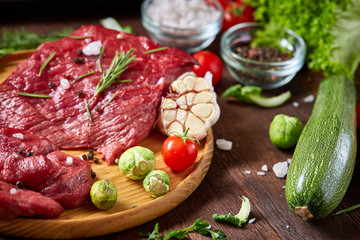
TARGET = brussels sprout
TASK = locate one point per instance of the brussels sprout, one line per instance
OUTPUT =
(103, 194)
(157, 183)
(137, 162)
(285, 131)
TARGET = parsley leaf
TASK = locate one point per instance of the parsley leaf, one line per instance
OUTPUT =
(198, 226)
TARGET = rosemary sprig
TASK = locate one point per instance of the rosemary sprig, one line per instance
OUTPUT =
(155, 50)
(112, 97)
(46, 63)
(348, 209)
(87, 109)
(26, 94)
(84, 75)
(100, 57)
(75, 37)
(118, 65)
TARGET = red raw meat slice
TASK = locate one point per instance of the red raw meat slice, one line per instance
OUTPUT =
(13, 140)
(57, 175)
(72, 185)
(26, 203)
(63, 118)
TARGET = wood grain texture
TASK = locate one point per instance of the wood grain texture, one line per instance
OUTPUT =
(247, 127)
(75, 223)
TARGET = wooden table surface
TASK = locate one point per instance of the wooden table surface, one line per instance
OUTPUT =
(245, 125)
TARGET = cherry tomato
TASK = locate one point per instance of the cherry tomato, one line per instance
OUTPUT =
(177, 154)
(236, 12)
(358, 116)
(208, 61)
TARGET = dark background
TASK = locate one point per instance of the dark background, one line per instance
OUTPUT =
(21, 10)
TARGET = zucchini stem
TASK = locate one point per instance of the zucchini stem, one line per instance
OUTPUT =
(303, 212)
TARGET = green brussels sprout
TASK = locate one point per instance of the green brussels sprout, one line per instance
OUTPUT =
(157, 183)
(103, 194)
(137, 162)
(285, 131)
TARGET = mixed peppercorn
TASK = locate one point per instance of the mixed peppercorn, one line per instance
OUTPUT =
(262, 54)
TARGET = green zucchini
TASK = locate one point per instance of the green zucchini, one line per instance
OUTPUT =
(324, 157)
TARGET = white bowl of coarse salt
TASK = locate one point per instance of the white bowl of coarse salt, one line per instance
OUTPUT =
(190, 25)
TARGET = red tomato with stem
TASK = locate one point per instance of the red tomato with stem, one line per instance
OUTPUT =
(179, 152)
(236, 12)
(208, 61)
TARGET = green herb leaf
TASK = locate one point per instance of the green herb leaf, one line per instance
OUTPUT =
(178, 234)
(26, 94)
(155, 50)
(198, 226)
(84, 75)
(111, 23)
(238, 219)
(118, 65)
(21, 39)
(46, 63)
(107, 103)
(252, 95)
(348, 209)
(100, 57)
(331, 47)
(87, 109)
(6, 51)
(75, 37)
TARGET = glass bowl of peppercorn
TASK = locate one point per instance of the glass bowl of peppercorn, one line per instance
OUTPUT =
(262, 55)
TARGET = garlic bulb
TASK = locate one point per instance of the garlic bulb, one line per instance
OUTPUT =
(190, 103)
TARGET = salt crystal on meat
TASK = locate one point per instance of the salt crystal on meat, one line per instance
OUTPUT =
(64, 83)
(18, 135)
(69, 160)
(93, 48)
(13, 191)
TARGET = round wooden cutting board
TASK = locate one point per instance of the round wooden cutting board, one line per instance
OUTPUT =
(134, 206)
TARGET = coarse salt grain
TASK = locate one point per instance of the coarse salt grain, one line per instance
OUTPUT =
(93, 48)
(260, 173)
(309, 98)
(283, 187)
(69, 160)
(265, 168)
(288, 160)
(64, 83)
(182, 14)
(296, 104)
(18, 135)
(252, 220)
(223, 144)
(281, 169)
(13, 191)
(247, 172)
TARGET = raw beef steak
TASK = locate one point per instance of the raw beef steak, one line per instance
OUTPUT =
(63, 117)
(16, 202)
(54, 174)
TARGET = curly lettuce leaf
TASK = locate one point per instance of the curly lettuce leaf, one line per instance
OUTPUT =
(329, 28)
